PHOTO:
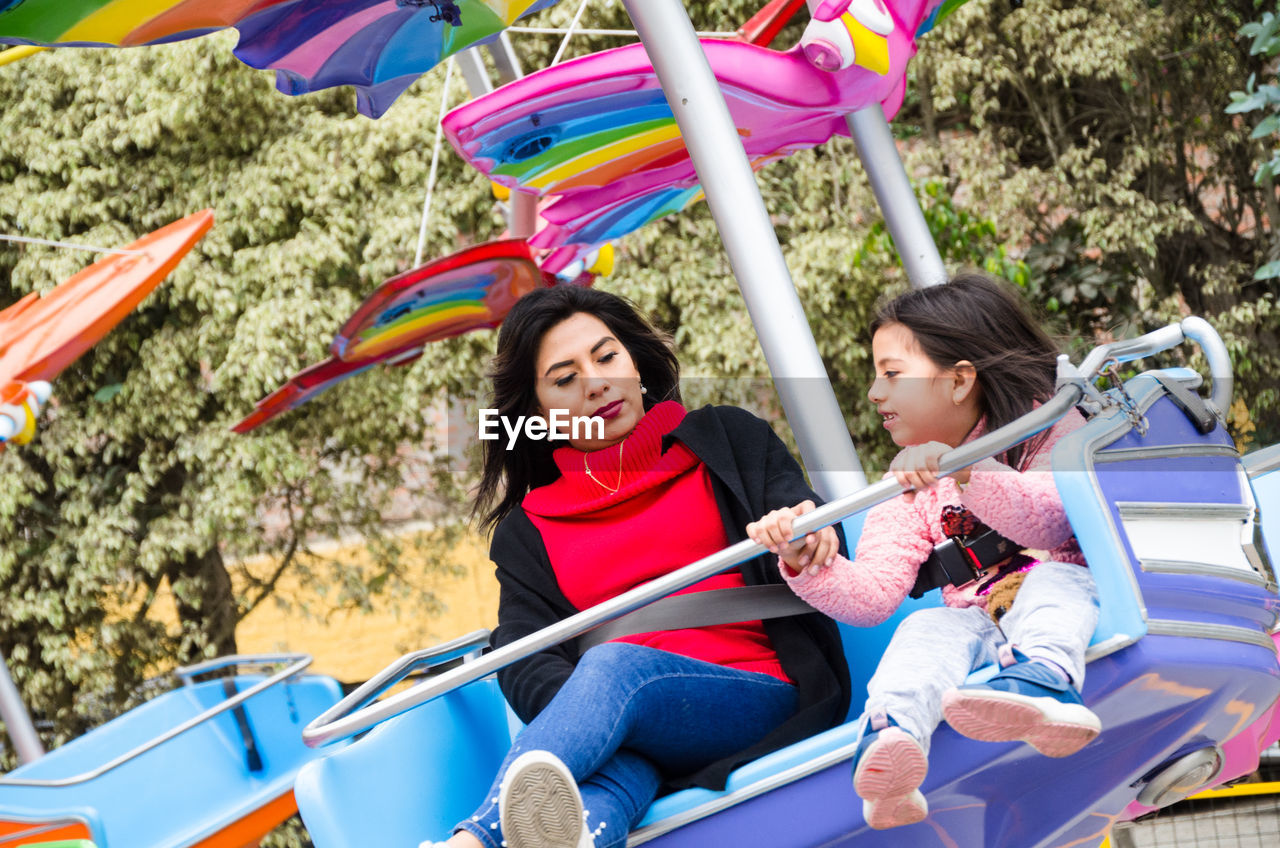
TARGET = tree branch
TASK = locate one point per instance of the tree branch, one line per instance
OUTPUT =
(267, 587)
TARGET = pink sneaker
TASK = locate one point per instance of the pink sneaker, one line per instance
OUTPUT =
(888, 769)
(1025, 702)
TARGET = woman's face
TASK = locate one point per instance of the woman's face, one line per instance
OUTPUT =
(583, 369)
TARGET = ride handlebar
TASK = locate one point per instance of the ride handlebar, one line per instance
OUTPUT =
(298, 662)
(1197, 330)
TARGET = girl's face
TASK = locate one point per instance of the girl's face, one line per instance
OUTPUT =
(920, 402)
(582, 368)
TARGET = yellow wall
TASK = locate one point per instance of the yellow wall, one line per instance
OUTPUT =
(353, 646)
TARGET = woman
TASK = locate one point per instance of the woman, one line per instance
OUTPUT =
(577, 523)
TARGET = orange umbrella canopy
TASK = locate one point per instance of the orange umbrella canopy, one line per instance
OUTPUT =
(40, 336)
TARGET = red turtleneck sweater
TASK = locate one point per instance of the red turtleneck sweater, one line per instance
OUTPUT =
(663, 516)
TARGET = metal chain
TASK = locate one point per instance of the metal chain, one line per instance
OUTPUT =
(1111, 370)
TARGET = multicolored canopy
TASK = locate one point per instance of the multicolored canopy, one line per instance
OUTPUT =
(595, 135)
(469, 290)
(378, 46)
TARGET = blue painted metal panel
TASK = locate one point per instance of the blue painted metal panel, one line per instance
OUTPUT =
(1153, 703)
(1266, 491)
(187, 788)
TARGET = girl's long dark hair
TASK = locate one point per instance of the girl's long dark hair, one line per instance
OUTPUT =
(974, 317)
(529, 463)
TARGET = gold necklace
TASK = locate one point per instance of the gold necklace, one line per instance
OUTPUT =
(587, 467)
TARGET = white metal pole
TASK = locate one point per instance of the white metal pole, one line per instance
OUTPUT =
(524, 207)
(504, 59)
(435, 164)
(471, 63)
(522, 216)
(756, 258)
(898, 203)
(16, 719)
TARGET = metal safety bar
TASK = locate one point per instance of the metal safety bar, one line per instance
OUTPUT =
(342, 722)
(187, 672)
(298, 662)
(1197, 330)
(468, 647)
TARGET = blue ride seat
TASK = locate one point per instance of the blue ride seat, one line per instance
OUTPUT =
(412, 777)
(1263, 467)
(786, 798)
(201, 787)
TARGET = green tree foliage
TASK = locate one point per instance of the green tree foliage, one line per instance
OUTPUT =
(135, 482)
(1094, 133)
(1265, 97)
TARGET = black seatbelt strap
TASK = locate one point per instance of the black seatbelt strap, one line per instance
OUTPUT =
(955, 564)
(252, 758)
(1191, 404)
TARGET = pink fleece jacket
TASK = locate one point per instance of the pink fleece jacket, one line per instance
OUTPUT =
(899, 536)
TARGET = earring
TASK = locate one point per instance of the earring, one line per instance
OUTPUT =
(643, 390)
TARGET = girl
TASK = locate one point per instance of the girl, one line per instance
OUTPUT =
(576, 524)
(952, 362)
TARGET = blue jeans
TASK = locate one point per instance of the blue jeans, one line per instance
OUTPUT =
(629, 714)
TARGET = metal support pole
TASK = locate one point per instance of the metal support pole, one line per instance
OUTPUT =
(522, 217)
(505, 59)
(1122, 836)
(472, 66)
(754, 254)
(435, 167)
(524, 207)
(902, 213)
(16, 719)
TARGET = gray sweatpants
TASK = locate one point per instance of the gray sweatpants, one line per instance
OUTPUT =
(933, 650)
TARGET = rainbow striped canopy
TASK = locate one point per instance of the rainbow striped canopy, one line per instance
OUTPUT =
(41, 336)
(596, 136)
(378, 46)
(469, 290)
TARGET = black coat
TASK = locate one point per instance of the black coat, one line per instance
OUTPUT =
(752, 473)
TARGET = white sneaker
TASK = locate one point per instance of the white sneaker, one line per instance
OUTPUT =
(539, 804)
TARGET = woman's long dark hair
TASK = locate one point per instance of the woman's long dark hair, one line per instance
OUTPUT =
(974, 317)
(529, 463)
